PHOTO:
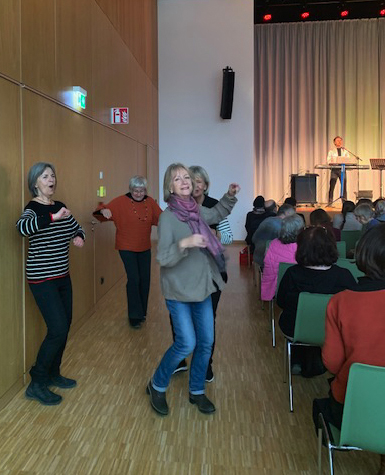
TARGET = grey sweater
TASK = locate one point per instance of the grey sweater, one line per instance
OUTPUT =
(188, 275)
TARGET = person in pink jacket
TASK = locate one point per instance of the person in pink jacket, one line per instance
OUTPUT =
(282, 249)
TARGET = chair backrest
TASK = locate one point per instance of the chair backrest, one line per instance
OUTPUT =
(363, 419)
(310, 319)
(341, 248)
(351, 238)
(282, 268)
(351, 266)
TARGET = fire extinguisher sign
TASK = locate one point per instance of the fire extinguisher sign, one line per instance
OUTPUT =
(119, 115)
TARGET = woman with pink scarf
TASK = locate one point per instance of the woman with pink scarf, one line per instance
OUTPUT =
(191, 261)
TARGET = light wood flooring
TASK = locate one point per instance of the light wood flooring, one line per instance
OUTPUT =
(106, 426)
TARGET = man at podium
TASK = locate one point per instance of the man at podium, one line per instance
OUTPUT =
(337, 155)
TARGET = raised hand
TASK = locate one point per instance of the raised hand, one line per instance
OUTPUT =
(106, 213)
(234, 188)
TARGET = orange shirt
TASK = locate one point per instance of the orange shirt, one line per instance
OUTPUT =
(133, 221)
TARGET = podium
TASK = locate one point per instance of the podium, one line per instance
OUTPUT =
(378, 164)
(304, 187)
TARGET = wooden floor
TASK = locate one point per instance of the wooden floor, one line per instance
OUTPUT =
(106, 425)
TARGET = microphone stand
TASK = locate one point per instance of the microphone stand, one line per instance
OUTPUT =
(358, 171)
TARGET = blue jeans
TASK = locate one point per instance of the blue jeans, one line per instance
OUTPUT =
(193, 324)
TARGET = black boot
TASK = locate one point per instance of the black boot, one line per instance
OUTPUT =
(41, 393)
(61, 382)
(204, 404)
(158, 400)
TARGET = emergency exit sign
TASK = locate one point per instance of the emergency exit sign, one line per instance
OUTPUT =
(119, 115)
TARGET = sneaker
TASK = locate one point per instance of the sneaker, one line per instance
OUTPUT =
(182, 366)
(204, 404)
(41, 393)
(158, 400)
(209, 374)
(62, 382)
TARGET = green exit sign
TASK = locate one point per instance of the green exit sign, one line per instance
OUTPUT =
(80, 96)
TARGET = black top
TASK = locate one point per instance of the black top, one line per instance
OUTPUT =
(299, 279)
(253, 220)
(48, 253)
(209, 202)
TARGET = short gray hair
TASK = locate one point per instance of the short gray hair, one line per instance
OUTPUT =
(291, 227)
(364, 210)
(137, 181)
(286, 210)
(200, 172)
(380, 208)
(169, 176)
(34, 173)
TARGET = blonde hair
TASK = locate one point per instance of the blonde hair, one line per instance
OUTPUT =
(169, 176)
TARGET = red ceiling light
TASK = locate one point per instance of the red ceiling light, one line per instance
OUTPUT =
(267, 17)
(382, 12)
(344, 13)
(305, 15)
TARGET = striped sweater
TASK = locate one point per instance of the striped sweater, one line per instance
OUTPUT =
(48, 253)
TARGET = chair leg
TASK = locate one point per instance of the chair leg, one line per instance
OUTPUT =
(331, 461)
(319, 451)
(285, 360)
(290, 379)
(272, 319)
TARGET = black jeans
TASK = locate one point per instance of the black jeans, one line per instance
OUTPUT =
(138, 270)
(336, 173)
(54, 299)
(331, 410)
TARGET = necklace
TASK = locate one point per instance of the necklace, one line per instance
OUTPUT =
(135, 211)
(40, 200)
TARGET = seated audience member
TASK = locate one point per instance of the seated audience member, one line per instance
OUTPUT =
(366, 201)
(364, 213)
(355, 327)
(293, 202)
(282, 249)
(319, 217)
(379, 214)
(346, 221)
(315, 272)
(376, 201)
(254, 218)
(268, 230)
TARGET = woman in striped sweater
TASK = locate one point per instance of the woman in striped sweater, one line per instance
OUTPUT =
(50, 227)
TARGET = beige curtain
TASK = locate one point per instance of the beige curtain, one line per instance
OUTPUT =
(314, 81)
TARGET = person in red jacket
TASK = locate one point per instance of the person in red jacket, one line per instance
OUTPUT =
(133, 215)
(355, 326)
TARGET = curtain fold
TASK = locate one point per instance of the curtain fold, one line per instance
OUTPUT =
(314, 81)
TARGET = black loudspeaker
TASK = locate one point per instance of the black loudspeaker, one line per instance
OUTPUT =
(227, 93)
(304, 188)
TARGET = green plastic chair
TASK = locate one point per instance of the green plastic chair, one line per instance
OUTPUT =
(341, 248)
(363, 419)
(309, 329)
(283, 266)
(351, 238)
(351, 266)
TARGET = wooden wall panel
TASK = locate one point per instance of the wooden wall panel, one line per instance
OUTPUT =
(112, 72)
(114, 156)
(38, 57)
(10, 38)
(74, 48)
(141, 160)
(153, 173)
(11, 275)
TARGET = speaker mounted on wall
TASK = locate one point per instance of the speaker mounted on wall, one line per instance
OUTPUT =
(227, 93)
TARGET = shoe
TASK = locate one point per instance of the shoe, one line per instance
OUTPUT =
(41, 393)
(182, 366)
(135, 324)
(62, 382)
(296, 369)
(204, 404)
(209, 374)
(158, 400)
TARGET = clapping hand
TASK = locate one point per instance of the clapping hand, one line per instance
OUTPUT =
(78, 241)
(61, 214)
(234, 188)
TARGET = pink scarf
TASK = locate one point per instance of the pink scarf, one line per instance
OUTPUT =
(188, 212)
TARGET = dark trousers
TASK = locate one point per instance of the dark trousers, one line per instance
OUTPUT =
(214, 301)
(138, 270)
(54, 299)
(336, 173)
(331, 410)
